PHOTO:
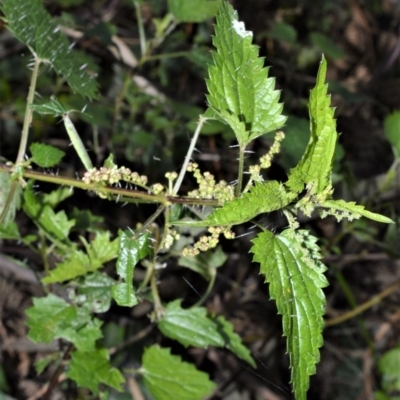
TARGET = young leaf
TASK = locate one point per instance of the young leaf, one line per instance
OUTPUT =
(193, 11)
(10, 231)
(315, 167)
(240, 91)
(168, 377)
(233, 341)
(44, 155)
(52, 318)
(89, 369)
(263, 197)
(350, 210)
(100, 251)
(290, 263)
(55, 225)
(191, 327)
(53, 107)
(131, 251)
(55, 197)
(29, 22)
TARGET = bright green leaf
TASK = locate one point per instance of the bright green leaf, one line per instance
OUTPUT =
(389, 367)
(233, 341)
(263, 197)
(194, 10)
(240, 91)
(191, 327)
(30, 23)
(54, 198)
(392, 131)
(9, 231)
(89, 369)
(167, 377)
(44, 155)
(315, 167)
(131, 251)
(350, 210)
(290, 264)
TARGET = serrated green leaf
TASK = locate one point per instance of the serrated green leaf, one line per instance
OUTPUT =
(29, 22)
(191, 327)
(315, 167)
(351, 210)
(90, 369)
(44, 155)
(95, 292)
(240, 91)
(9, 231)
(131, 251)
(193, 11)
(52, 318)
(9, 202)
(77, 263)
(167, 377)
(233, 342)
(204, 263)
(263, 197)
(392, 131)
(55, 225)
(290, 263)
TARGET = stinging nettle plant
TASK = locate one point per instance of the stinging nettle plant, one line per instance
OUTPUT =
(241, 95)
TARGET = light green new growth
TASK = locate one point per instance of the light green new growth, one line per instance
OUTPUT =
(240, 92)
(315, 167)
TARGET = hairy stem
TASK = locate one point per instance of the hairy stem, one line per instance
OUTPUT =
(238, 190)
(179, 181)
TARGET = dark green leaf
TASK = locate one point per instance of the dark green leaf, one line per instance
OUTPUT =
(131, 251)
(290, 263)
(89, 369)
(284, 32)
(326, 45)
(44, 155)
(191, 327)
(167, 377)
(29, 22)
(392, 131)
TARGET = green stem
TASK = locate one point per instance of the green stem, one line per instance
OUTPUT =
(208, 291)
(188, 157)
(28, 112)
(238, 190)
(164, 56)
(142, 34)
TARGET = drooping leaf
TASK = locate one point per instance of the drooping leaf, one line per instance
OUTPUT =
(315, 167)
(90, 369)
(44, 155)
(392, 131)
(290, 264)
(167, 377)
(205, 263)
(240, 91)
(52, 318)
(263, 197)
(30, 23)
(193, 11)
(9, 202)
(350, 210)
(191, 327)
(131, 251)
(233, 341)
(77, 263)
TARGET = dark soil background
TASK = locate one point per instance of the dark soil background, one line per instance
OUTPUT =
(363, 258)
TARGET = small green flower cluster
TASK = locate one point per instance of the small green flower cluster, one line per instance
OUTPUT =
(171, 236)
(339, 214)
(208, 187)
(265, 161)
(208, 242)
(113, 175)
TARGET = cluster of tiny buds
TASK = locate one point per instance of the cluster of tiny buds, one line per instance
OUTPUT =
(265, 161)
(208, 242)
(170, 238)
(208, 187)
(113, 175)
